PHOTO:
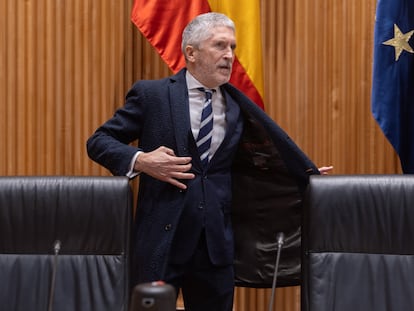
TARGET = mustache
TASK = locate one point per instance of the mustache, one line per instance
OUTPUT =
(225, 65)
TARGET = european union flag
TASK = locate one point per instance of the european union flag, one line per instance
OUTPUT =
(393, 76)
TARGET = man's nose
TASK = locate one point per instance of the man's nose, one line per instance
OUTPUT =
(229, 53)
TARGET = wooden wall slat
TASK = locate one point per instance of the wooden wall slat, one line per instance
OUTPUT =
(4, 77)
(9, 88)
(65, 67)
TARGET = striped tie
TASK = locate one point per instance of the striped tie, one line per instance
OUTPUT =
(206, 128)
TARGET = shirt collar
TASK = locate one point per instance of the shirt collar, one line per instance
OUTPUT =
(193, 83)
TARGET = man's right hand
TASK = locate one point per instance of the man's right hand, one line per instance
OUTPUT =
(163, 164)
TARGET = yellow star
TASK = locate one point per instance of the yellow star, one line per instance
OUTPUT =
(400, 42)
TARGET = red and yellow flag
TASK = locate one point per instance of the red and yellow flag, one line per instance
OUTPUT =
(162, 23)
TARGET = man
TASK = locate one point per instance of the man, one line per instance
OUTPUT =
(190, 165)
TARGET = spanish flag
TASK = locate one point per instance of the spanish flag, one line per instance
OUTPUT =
(162, 23)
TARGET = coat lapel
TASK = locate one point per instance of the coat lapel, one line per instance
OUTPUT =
(232, 117)
(232, 121)
(178, 99)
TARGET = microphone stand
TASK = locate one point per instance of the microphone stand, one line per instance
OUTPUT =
(280, 237)
(56, 248)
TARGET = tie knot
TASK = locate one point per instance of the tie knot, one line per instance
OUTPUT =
(208, 92)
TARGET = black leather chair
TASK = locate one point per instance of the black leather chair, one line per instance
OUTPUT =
(358, 243)
(88, 268)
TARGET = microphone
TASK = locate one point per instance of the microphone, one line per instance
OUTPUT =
(280, 240)
(56, 249)
(280, 237)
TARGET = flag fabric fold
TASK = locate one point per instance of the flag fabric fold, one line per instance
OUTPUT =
(393, 77)
(162, 23)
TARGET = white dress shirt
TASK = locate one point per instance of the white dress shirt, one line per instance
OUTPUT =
(196, 101)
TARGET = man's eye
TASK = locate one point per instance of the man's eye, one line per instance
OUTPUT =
(224, 45)
(220, 45)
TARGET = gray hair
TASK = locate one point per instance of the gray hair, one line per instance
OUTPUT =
(200, 28)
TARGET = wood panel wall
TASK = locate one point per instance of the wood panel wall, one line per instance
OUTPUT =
(65, 66)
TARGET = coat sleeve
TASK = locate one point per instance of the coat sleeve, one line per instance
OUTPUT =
(110, 145)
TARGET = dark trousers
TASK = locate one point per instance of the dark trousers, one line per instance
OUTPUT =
(204, 287)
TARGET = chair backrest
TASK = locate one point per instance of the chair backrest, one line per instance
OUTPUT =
(358, 243)
(90, 217)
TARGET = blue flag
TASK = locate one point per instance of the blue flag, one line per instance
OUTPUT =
(393, 76)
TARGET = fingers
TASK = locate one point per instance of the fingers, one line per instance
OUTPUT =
(162, 164)
(325, 170)
(177, 183)
(167, 151)
(174, 175)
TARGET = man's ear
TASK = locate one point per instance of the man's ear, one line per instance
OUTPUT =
(190, 53)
